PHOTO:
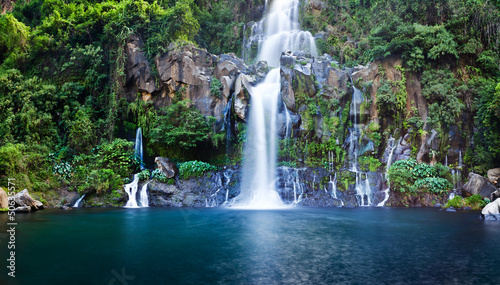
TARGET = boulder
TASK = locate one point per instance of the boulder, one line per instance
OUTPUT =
(4, 199)
(492, 208)
(166, 166)
(478, 184)
(494, 176)
(23, 200)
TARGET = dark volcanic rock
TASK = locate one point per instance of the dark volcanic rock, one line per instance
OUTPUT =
(209, 190)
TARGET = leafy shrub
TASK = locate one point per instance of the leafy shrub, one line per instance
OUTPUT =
(194, 169)
(107, 164)
(100, 181)
(410, 176)
(215, 88)
(144, 175)
(63, 169)
(433, 185)
(457, 202)
(158, 175)
(181, 128)
(476, 202)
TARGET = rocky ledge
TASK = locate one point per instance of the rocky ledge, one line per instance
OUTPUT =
(21, 202)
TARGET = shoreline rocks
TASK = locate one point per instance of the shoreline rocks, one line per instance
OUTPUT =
(23, 202)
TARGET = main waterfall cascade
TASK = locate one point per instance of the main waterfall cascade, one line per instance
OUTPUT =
(131, 188)
(278, 31)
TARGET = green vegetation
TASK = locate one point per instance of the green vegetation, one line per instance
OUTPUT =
(159, 176)
(144, 175)
(194, 168)
(408, 176)
(476, 202)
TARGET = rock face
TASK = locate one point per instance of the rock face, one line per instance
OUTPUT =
(309, 187)
(187, 70)
(139, 75)
(24, 202)
(494, 176)
(206, 191)
(492, 211)
(4, 199)
(166, 166)
(478, 184)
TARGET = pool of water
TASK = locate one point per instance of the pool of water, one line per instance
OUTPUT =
(227, 246)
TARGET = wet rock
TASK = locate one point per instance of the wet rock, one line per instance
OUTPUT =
(208, 190)
(166, 166)
(72, 197)
(66, 208)
(495, 195)
(4, 199)
(478, 184)
(23, 209)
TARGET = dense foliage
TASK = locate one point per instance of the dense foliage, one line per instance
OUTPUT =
(409, 176)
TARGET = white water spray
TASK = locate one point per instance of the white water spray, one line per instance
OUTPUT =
(131, 190)
(278, 31)
(144, 201)
(388, 165)
(282, 33)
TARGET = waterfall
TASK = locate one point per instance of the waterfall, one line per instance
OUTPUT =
(77, 203)
(138, 145)
(258, 187)
(460, 164)
(392, 146)
(334, 185)
(131, 190)
(362, 187)
(277, 31)
(144, 201)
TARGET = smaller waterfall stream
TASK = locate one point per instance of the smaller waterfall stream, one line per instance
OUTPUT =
(131, 188)
(77, 203)
(144, 201)
(392, 146)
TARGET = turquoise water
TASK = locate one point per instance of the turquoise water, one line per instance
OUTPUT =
(222, 246)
